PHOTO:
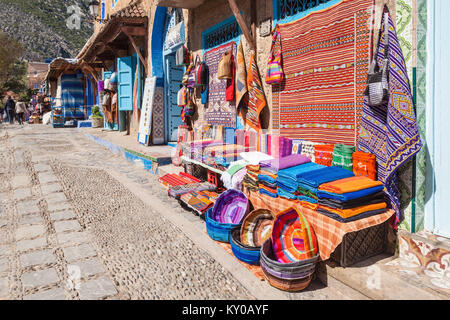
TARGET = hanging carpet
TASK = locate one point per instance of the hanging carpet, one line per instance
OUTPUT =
(325, 61)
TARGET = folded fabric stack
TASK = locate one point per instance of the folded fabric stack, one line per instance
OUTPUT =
(351, 199)
(324, 154)
(309, 182)
(343, 156)
(251, 179)
(364, 164)
(232, 178)
(269, 173)
(223, 155)
(288, 179)
(308, 149)
(297, 146)
(199, 201)
(195, 149)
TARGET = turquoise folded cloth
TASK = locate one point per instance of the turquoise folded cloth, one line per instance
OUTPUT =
(288, 178)
(285, 194)
(270, 194)
(308, 199)
(317, 177)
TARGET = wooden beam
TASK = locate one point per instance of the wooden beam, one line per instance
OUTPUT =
(242, 24)
(133, 43)
(135, 31)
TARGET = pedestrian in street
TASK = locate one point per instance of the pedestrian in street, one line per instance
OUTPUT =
(1, 112)
(21, 108)
(10, 107)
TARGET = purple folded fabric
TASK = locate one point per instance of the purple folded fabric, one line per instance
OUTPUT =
(284, 163)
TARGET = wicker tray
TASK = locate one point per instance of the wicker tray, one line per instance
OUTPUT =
(361, 245)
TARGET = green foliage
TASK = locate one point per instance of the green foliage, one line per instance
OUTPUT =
(12, 71)
(96, 112)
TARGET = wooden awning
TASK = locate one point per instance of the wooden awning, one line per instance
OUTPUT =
(185, 4)
(130, 21)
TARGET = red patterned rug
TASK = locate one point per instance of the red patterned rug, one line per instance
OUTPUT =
(325, 60)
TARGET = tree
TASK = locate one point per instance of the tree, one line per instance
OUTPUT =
(12, 70)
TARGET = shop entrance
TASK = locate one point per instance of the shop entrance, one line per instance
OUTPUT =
(173, 78)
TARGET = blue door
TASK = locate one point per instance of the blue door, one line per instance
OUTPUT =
(125, 73)
(173, 78)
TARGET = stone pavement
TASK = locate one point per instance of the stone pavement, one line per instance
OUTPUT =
(78, 222)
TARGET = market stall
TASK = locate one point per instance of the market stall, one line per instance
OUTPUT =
(321, 184)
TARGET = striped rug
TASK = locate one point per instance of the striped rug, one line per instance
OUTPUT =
(325, 60)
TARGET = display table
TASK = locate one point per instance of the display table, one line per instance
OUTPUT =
(189, 160)
(329, 232)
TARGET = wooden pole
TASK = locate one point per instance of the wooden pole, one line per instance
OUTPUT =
(242, 24)
(144, 62)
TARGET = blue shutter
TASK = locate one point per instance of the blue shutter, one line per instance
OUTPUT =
(125, 71)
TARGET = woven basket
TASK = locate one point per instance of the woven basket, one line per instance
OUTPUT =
(361, 245)
(97, 122)
(218, 231)
(287, 285)
(250, 255)
(298, 267)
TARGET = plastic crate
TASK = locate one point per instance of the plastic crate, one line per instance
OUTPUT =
(361, 245)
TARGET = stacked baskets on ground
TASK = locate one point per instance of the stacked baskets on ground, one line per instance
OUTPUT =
(227, 213)
(246, 241)
(289, 257)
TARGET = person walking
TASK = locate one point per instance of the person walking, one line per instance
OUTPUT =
(1, 111)
(10, 107)
(21, 108)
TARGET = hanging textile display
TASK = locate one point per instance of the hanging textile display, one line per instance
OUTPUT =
(145, 125)
(241, 80)
(325, 60)
(220, 111)
(390, 131)
(256, 98)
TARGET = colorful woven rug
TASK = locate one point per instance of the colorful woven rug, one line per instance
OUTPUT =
(220, 111)
(325, 60)
(390, 132)
(256, 98)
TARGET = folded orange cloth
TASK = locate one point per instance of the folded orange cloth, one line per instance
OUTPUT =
(348, 213)
(352, 184)
(267, 173)
(309, 205)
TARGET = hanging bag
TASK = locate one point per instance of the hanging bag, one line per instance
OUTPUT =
(274, 72)
(225, 71)
(201, 74)
(192, 74)
(377, 90)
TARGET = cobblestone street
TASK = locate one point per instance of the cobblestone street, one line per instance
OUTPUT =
(71, 231)
(80, 222)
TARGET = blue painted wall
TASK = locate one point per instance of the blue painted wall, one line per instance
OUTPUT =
(437, 208)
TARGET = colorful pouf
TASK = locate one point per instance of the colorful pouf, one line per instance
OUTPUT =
(256, 228)
(290, 277)
(230, 207)
(292, 237)
(247, 254)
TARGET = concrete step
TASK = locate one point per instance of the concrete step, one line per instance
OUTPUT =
(385, 277)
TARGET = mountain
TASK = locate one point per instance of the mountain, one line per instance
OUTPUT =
(41, 26)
